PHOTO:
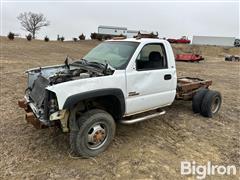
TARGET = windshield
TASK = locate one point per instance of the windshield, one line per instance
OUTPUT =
(115, 53)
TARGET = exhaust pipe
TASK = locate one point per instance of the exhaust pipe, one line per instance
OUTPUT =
(132, 121)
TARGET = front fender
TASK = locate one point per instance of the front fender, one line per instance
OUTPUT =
(74, 99)
(68, 93)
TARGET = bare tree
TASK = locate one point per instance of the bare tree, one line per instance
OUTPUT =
(32, 22)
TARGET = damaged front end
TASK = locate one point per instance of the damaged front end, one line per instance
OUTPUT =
(41, 104)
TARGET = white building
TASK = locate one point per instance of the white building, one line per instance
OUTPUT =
(213, 40)
(131, 33)
(114, 30)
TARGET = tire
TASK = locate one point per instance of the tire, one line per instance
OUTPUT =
(197, 100)
(211, 103)
(72, 141)
(96, 131)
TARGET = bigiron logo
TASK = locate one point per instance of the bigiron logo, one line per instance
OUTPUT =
(201, 171)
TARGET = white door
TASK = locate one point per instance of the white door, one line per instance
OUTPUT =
(152, 83)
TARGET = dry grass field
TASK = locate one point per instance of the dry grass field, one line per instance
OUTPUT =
(148, 150)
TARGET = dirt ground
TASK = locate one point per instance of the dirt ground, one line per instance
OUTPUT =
(151, 149)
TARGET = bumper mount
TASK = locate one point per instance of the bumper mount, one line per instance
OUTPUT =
(29, 115)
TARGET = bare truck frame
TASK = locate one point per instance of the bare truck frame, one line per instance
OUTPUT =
(188, 86)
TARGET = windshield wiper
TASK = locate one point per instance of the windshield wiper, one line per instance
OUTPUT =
(80, 61)
(84, 60)
(109, 65)
(105, 67)
(97, 63)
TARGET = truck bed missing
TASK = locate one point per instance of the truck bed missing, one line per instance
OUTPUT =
(188, 86)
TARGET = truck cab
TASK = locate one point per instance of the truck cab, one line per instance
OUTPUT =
(150, 76)
(144, 73)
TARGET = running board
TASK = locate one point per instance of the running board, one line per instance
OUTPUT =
(132, 121)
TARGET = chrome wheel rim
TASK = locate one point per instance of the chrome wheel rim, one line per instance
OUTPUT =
(215, 104)
(97, 135)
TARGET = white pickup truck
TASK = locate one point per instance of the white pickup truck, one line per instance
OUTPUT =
(117, 81)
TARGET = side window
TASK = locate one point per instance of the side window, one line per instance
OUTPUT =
(152, 56)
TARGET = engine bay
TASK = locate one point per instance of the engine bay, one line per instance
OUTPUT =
(69, 75)
(68, 72)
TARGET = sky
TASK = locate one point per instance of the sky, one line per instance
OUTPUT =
(170, 19)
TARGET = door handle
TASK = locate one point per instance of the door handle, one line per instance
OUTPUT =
(133, 93)
(167, 76)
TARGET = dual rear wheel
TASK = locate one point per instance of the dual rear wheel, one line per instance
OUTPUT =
(206, 102)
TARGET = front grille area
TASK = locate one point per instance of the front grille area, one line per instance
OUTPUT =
(38, 90)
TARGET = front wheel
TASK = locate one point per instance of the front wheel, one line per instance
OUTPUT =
(96, 131)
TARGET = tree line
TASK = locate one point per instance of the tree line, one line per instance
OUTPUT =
(32, 23)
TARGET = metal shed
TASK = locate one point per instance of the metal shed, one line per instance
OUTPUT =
(131, 33)
(112, 30)
(213, 40)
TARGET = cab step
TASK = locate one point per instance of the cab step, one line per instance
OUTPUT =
(133, 119)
